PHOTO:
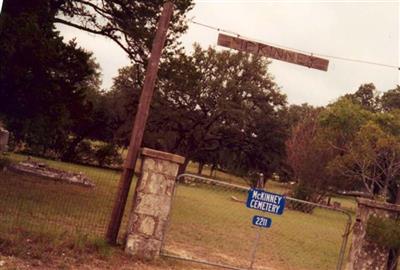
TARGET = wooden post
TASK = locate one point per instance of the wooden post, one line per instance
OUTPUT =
(140, 123)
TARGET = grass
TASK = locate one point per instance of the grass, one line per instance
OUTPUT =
(233, 179)
(42, 205)
(205, 222)
(346, 202)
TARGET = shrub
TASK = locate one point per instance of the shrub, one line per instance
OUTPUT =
(384, 232)
(4, 162)
(303, 193)
(107, 154)
(84, 152)
(102, 248)
(99, 153)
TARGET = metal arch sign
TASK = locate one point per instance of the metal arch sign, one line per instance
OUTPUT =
(265, 201)
(273, 52)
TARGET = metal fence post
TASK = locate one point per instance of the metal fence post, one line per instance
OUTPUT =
(344, 242)
(254, 251)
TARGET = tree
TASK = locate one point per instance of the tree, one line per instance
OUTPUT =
(297, 113)
(44, 83)
(212, 105)
(320, 137)
(49, 94)
(308, 156)
(130, 24)
(366, 96)
(373, 158)
(340, 122)
(354, 133)
(390, 100)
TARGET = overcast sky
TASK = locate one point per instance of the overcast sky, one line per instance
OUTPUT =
(361, 30)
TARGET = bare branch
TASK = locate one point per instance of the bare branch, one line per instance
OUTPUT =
(115, 39)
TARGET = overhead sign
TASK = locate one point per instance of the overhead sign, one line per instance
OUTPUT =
(265, 201)
(273, 52)
(262, 221)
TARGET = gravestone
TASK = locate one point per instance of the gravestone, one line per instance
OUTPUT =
(4, 136)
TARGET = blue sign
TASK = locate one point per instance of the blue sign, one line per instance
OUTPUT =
(265, 201)
(262, 221)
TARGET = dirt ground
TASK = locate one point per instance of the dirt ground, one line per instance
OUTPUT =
(9, 262)
(116, 261)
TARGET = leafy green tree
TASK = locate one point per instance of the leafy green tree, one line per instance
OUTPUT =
(296, 113)
(44, 83)
(366, 96)
(121, 102)
(130, 24)
(345, 128)
(323, 137)
(215, 107)
(373, 159)
(49, 90)
(390, 100)
(341, 120)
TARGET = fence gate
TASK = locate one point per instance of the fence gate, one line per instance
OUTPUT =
(210, 224)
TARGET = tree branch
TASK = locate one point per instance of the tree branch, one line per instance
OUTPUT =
(100, 11)
(102, 33)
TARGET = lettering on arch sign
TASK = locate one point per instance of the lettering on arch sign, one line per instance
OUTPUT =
(273, 52)
(265, 201)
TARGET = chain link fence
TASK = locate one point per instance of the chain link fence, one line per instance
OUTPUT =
(36, 205)
(211, 224)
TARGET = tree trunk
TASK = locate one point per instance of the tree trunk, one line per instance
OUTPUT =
(212, 170)
(182, 167)
(70, 152)
(329, 201)
(200, 169)
(385, 192)
(393, 259)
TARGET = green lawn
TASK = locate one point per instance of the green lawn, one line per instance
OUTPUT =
(232, 179)
(205, 222)
(34, 204)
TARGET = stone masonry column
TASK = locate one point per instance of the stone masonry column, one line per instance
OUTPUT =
(152, 203)
(364, 254)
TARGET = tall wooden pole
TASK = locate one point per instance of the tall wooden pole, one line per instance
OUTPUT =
(140, 124)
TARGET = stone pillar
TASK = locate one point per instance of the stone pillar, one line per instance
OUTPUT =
(152, 203)
(365, 254)
(4, 136)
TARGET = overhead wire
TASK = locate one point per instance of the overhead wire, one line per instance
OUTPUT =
(293, 49)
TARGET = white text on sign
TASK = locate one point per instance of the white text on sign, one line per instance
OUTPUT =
(265, 201)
